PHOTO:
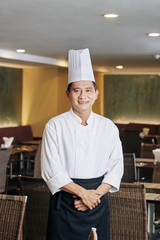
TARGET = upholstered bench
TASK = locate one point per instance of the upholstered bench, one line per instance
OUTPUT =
(20, 133)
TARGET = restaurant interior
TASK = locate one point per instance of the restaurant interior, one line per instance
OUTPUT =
(125, 53)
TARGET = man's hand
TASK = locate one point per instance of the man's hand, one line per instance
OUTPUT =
(79, 205)
(90, 198)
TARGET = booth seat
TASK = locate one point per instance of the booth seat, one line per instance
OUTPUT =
(20, 133)
(154, 129)
(140, 126)
(158, 130)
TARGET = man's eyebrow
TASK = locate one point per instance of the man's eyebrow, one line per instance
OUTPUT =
(80, 88)
(76, 88)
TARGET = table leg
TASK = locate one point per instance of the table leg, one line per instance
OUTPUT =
(138, 174)
(21, 161)
(151, 217)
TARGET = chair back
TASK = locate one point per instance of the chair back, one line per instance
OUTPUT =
(12, 209)
(129, 175)
(37, 163)
(131, 142)
(36, 217)
(4, 157)
(128, 214)
(156, 173)
(146, 150)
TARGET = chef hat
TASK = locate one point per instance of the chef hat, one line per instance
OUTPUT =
(79, 66)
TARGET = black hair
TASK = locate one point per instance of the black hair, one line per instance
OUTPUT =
(70, 85)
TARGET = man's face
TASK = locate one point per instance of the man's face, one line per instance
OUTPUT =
(82, 96)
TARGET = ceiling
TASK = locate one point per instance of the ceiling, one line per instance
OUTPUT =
(47, 29)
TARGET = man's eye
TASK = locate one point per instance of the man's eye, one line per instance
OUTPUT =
(88, 90)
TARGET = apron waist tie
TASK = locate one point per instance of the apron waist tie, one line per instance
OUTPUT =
(59, 200)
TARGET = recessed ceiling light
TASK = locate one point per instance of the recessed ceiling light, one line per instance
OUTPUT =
(119, 67)
(110, 15)
(153, 34)
(20, 50)
(157, 56)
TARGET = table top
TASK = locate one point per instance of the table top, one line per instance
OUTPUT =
(141, 164)
(145, 160)
(153, 197)
(33, 142)
(145, 163)
(23, 148)
(151, 135)
(149, 185)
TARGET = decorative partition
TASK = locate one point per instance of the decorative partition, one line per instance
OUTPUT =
(132, 98)
(10, 96)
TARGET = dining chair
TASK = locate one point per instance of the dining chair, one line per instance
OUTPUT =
(12, 210)
(130, 174)
(37, 163)
(36, 217)
(156, 173)
(146, 150)
(131, 142)
(128, 213)
(156, 179)
(157, 139)
(4, 158)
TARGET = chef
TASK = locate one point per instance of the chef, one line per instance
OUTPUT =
(81, 159)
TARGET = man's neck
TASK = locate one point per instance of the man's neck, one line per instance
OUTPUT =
(84, 116)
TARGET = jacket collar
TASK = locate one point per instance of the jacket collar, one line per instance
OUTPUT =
(79, 120)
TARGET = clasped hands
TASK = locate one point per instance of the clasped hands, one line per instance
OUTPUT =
(89, 199)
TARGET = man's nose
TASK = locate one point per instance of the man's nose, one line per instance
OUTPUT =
(82, 94)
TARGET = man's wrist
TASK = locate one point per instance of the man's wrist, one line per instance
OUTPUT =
(81, 192)
(103, 188)
(74, 189)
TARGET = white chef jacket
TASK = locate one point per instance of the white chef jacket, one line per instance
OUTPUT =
(72, 150)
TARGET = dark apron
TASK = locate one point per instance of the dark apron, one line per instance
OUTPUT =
(66, 223)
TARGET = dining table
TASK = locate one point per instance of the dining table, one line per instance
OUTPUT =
(152, 198)
(142, 163)
(18, 154)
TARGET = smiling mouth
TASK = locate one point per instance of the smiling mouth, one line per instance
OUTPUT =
(82, 102)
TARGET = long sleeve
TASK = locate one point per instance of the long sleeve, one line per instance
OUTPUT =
(51, 166)
(115, 164)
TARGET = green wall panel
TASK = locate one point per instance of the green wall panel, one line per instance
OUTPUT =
(132, 98)
(10, 96)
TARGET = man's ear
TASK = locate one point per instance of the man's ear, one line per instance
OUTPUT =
(67, 93)
(96, 94)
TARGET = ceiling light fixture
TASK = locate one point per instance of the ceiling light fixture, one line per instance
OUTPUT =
(157, 56)
(153, 34)
(20, 50)
(110, 15)
(119, 67)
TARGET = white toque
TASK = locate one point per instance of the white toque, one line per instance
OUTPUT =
(79, 66)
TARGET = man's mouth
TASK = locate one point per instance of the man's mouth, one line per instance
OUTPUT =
(82, 102)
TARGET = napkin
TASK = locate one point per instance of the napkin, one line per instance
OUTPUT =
(156, 153)
(7, 142)
(144, 132)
